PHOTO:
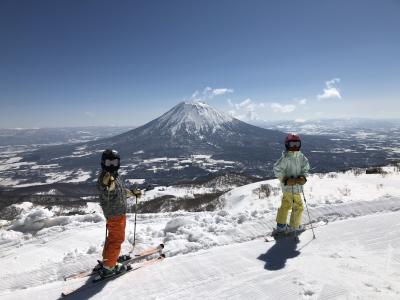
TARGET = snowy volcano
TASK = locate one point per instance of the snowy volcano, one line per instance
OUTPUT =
(194, 118)
(196, 128)
(190, 128)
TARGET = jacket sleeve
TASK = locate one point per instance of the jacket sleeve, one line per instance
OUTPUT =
(305, 165)
(280, 168)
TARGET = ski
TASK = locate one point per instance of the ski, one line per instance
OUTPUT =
(98, 280)
(124, 259)
(151, 250)
(145, 253)
(273, 237)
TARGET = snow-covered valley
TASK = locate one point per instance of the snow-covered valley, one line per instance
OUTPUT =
(222, 254)
(189, 141)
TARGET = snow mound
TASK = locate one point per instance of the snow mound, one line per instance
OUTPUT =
(40, 218)
(175, 224)
(320, 189)
(31, 222)
(185, 234)
(10, 236)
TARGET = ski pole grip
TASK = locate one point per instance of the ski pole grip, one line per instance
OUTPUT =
(137, 193)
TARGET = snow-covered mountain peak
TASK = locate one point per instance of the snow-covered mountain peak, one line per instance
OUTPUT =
(194, 117)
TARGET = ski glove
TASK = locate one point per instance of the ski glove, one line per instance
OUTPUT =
(290, 181)
(108, 181)
(301, 180)
(136, 192)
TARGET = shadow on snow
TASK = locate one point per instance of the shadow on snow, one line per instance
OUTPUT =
(86, 291)
(276, 256)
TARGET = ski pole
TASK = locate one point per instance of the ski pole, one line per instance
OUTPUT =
(134, 228)
(309, 218)
(105, 239)
(295, 229)
(108, 199)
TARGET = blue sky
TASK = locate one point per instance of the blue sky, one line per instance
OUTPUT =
(78, 63)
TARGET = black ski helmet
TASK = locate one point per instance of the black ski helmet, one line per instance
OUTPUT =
(292, 142)
(110, 160)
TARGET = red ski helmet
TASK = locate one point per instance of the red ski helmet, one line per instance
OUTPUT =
(292, 142)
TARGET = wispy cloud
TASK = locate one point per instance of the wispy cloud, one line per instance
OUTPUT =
(249, 110)
(302, 101)
(209, 93)
(331, 91)
(279, 108)
(245, 110)
(218, 92)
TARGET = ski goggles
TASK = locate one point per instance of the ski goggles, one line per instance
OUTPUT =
(294, 144)
(111, 162)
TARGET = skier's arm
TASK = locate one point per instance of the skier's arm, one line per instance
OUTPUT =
(305, 166)
(107, 181)
(279, 169)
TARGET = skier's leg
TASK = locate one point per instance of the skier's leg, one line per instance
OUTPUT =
(283, 211)
(116, 236)
(297, 211)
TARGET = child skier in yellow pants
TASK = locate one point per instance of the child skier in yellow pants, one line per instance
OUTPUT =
(291, 170)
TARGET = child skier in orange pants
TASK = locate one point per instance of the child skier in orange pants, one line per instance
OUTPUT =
(113, 201)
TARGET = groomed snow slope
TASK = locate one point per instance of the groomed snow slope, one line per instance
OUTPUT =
(350, 259)
(223, 250)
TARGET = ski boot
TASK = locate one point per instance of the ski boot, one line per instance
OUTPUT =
(98, 267)
(106, 272)
(279, 231)
(294, 231)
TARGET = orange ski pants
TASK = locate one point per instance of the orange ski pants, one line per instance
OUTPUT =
(115, 238)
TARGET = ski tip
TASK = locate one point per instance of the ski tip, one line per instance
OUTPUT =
(162, 255)
(162, 246)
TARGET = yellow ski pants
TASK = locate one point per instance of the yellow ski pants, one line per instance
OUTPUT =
(290, 201)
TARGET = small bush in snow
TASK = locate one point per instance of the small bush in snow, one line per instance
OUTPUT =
(265, 190)
(357, 171)
(396, 165)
